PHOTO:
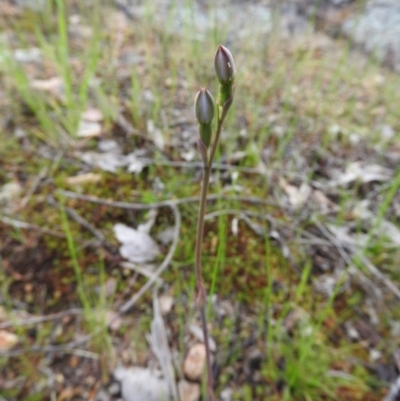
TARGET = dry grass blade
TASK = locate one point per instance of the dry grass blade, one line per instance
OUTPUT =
(159, 344)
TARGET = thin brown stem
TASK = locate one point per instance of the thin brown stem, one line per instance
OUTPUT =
(201, 293)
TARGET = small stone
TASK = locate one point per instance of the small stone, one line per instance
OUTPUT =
(28, 55)
(188, 391)
(88, 129)
(194, 363)
(113, 320)
(166, 303)
(9, 192)
(52, 85)
(226, 394)
(7, 340)
(92, 115)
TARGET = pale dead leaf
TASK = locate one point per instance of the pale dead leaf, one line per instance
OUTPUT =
(137, 246)
(53, 85)
(297, 196)
(89, 129)
(155, 134)
(82, 179)
(139, 384)
(159, 344)
(235, 226)
(34, 54)
(104, 161)
(166, 236)
(109, 146)
(135, 165)
(111, 159)
(148, 225)
(9, 192)
(384, 228)
(361, 172)
(92, 115)
(344, 238)
(324, 203)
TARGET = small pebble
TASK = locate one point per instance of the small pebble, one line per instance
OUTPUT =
(194, 363)
(188, 391)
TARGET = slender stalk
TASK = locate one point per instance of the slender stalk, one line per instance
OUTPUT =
(204, 108)
(201, 293)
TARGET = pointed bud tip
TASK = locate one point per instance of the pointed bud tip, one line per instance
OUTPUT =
(224, 65)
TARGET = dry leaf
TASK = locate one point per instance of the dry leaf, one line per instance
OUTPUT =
(53, 85)
(137, 246)
(105, 161)
(82, 179)
(159, 344)
(92, 115)
(139, 384)
(155, 134)
(297, 195)
(88, 129)
(9, 192)
(361, 172)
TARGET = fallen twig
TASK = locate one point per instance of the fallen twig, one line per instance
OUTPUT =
(166, 203)
(25, 225)
(27, 321)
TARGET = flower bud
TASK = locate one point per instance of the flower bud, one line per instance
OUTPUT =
(204, 106)
(224, 65)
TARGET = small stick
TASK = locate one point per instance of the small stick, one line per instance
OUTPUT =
(204, 108)
(27, 321)
(23, 224)
(166, 203)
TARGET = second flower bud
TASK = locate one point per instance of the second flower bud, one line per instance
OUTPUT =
(204, 109)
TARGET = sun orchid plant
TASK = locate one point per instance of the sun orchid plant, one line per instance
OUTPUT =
(205, 111)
